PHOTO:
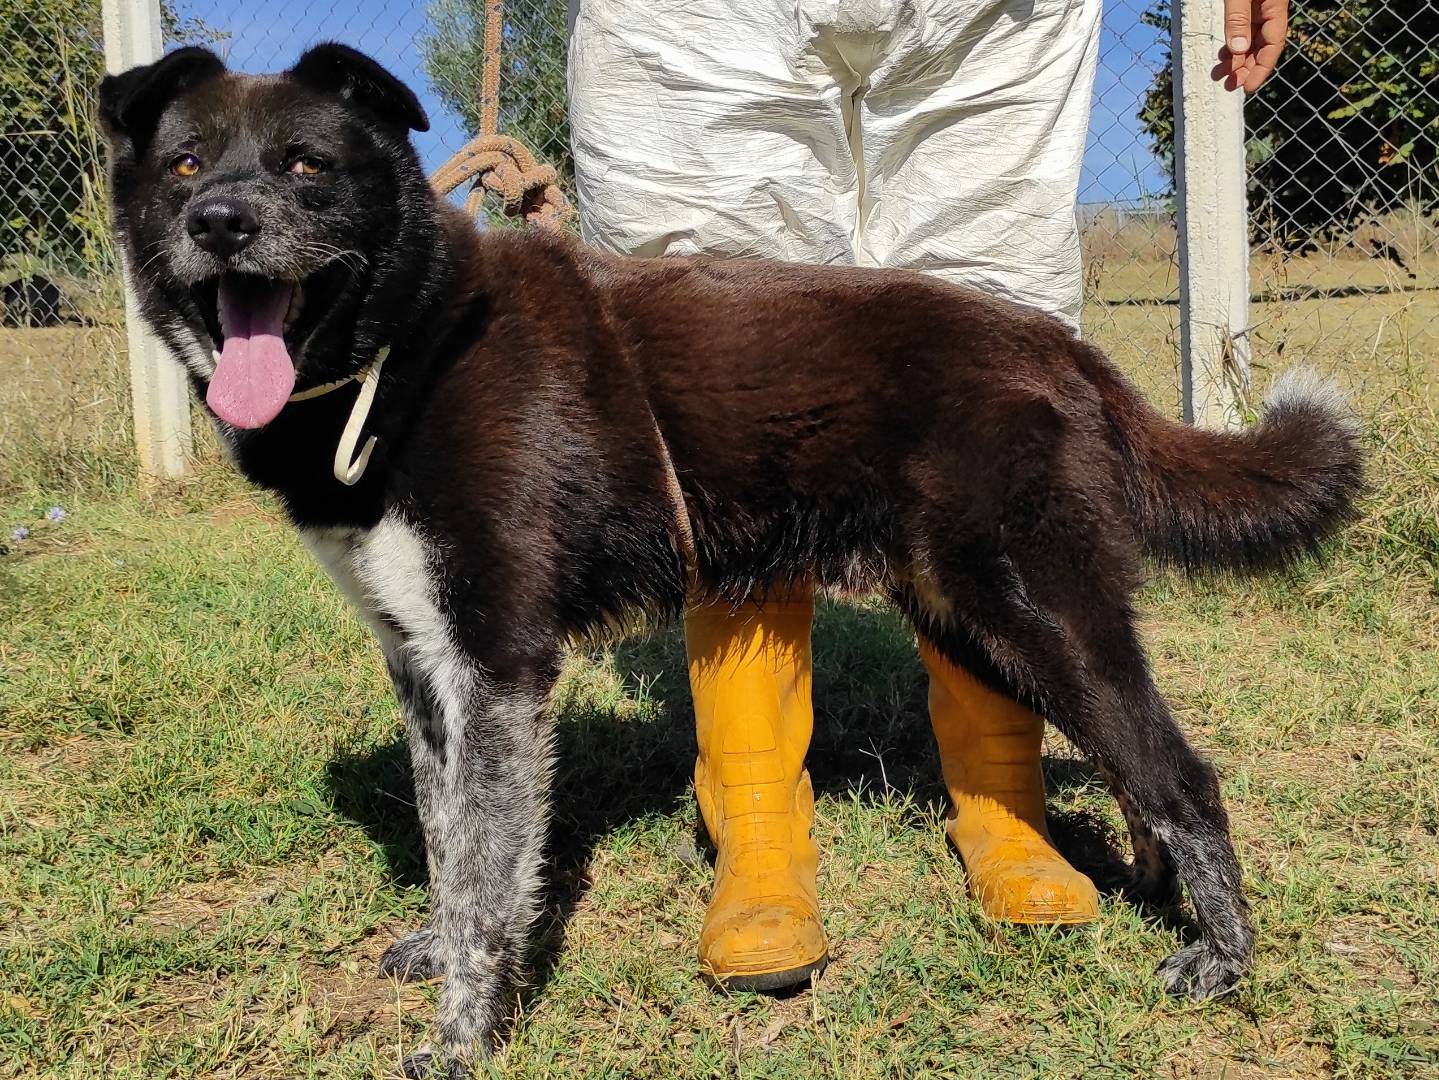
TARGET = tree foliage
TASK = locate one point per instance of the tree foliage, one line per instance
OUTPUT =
(532, 71)
(1348, 126)
(53, 214)
(49, 146)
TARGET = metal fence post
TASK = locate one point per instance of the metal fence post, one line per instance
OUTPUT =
(1209, 177)
(159, 396)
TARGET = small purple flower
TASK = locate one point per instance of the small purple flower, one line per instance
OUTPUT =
(55, 513)
(18, 533)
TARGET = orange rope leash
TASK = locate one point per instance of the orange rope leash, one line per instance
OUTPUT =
(490, 79)
(498, 163)
(502, 165)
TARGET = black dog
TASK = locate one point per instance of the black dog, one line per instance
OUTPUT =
(554, 440)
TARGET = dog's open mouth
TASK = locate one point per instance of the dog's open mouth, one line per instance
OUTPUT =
(254, 373)
(259, 326)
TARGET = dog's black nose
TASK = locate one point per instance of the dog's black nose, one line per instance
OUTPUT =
(223, 225)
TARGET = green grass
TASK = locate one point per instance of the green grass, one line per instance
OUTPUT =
(207, 837)
(207, 840)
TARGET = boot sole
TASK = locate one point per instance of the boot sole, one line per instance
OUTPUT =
(767, 982)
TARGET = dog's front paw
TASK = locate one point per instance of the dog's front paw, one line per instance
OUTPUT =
(1200, 972)
(414, 958)
(426, 1064)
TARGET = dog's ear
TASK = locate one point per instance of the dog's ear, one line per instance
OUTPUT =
(339, 69)
(131, 102)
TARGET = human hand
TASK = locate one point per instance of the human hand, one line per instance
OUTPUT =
(1254, 33)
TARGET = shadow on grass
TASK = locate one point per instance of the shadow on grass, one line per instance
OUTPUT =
(871, 741)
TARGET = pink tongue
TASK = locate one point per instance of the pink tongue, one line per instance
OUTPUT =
(254, 376)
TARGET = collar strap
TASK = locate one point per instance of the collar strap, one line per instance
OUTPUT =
(325, 388)
(349, 468)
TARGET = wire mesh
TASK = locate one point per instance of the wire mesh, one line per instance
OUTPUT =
(1343, 156)
(1344, 173)
(53, 227)
(1343, 193)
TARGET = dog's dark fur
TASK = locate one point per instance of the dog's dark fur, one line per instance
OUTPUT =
(866, 430)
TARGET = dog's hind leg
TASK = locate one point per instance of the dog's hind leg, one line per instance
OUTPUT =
(1084, 671)
(1151, 880)
(1174, 795)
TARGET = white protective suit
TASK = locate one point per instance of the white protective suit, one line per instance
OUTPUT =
(937, 135)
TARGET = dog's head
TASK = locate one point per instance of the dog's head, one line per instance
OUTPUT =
(270, 220)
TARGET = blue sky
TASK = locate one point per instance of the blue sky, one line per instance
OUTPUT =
(265, 35)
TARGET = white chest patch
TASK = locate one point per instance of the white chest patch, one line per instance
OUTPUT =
(392, 577)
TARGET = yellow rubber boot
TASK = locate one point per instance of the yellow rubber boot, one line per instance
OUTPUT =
(750, 676)
(989, 751)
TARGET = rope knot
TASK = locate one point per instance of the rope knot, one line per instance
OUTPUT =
(502, 165)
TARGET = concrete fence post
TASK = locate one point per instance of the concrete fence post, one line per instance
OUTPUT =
(159, 396)
(1209, 173)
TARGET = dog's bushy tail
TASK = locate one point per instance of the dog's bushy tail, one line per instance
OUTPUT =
(1247, 499)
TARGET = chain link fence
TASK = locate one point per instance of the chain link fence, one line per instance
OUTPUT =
(54, 236)
(1343, 160)
(1343, 155)
(1344, 196)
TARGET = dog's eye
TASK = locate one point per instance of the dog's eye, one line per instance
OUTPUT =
(185, 165)
(306, 165)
